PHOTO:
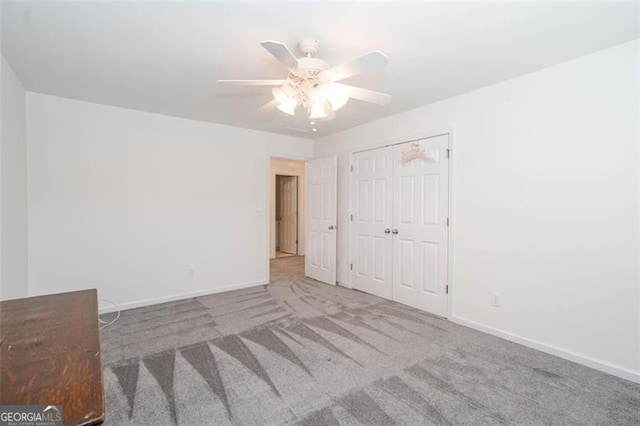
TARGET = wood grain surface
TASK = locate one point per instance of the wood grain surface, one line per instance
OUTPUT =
(50, 355)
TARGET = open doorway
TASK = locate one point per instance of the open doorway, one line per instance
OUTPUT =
(287, 215)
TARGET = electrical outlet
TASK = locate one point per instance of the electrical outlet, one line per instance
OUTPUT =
(191, 272)
(495, 299)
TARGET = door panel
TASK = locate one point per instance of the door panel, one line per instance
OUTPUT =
(371, 186)
(312, 255)
(320, 253)
(430, 185)
(379, 257)
(430, 267)
(406, 198)
(421, 208)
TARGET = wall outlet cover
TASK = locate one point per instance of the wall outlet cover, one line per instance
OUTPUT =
(495, 299)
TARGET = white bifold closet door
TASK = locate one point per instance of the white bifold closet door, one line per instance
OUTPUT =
(399, 228)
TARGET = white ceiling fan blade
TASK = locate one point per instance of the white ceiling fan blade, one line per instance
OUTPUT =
(244, 83)
(281, 52)
(269, 106)
(367, 63)
(364, 94)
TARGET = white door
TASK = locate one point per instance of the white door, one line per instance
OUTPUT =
(289, 212)
(372, 183)
(421, 205)
(320, 252)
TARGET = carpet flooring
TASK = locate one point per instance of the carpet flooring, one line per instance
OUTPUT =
(301, 352)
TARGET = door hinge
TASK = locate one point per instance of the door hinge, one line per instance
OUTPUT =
(447, 221)
(447, 289)
(351, 216)
(351, 266)
(351, 167)
(448, 152)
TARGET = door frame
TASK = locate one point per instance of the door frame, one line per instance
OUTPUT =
(266, 210)
(426, 134)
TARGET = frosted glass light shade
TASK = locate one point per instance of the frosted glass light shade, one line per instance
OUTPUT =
(317, 111)
(288, 107)
(279, 95)
(336, 98)
(286, 104)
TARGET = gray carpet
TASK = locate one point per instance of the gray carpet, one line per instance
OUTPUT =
(301, 352)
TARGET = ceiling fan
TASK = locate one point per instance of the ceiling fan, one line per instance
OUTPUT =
(312, 84)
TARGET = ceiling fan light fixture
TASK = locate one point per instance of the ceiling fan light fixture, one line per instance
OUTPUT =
(314, 85)
(336, 98)
(288, 107)
(280, 95)
(286, 103)
(317, 111)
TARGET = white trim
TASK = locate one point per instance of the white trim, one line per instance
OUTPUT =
(343, 284)
(604, 366)
(180, 296)
(452, 222)
(425, 134)
(348, 283)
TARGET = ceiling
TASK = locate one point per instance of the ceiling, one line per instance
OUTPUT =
(166, 57)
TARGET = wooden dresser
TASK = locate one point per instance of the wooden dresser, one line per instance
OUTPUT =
(50, 355)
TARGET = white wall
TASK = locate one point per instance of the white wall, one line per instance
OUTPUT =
(129, 202)
(545, 205)
(13, 215)
(281, 166)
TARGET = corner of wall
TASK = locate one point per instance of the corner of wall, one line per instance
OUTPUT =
(13, 186)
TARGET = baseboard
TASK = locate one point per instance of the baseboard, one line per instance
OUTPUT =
(606, 367)
(164, 299)
(344, 284)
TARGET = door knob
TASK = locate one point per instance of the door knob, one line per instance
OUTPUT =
(331, 227)
(395, 231)
(387, 231)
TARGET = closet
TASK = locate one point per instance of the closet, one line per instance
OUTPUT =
(399, 232)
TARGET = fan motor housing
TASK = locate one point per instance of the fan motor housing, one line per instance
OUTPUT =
(312, 64)
(308, 47)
